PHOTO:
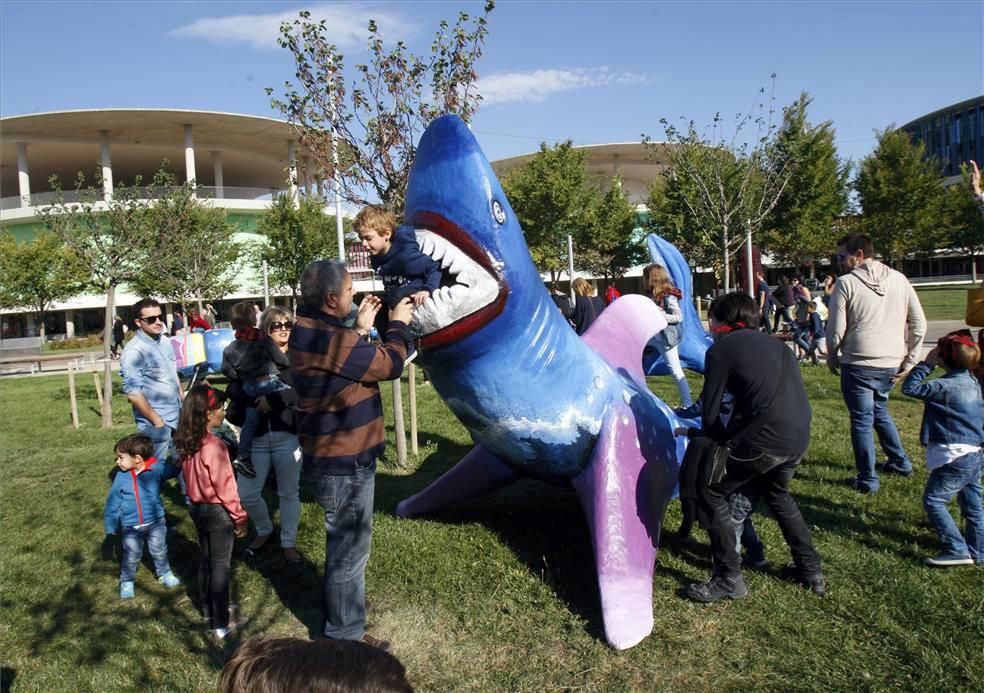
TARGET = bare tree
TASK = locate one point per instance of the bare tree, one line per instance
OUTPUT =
(378, 119)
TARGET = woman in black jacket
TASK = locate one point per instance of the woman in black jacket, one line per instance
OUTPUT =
(275, 448)
(768, 433)
(587, 306)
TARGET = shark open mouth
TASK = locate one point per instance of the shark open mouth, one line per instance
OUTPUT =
(472, 292)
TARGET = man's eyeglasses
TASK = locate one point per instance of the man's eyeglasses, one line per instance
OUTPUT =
(277, 326)
(151, 319)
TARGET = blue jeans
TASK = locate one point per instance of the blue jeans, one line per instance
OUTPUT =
(155, 535)
(960, 478)
(348, 502)
(259, 387)
(276, 449)
(866, 393)
(161, 439)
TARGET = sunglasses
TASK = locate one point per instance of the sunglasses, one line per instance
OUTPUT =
(151, 319)
(277, 326)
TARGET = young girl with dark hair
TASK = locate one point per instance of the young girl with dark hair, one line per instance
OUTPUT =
(667, 297)
(215, 508)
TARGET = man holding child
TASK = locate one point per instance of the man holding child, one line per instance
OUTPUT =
(340, 425)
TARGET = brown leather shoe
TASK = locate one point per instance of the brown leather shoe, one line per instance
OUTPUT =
(383, 645)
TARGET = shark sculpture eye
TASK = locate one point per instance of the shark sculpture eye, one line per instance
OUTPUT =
(498, 212)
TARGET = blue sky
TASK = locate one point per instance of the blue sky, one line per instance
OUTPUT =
(589, 71)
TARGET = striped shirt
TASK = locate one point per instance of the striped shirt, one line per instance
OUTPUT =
(339, 412)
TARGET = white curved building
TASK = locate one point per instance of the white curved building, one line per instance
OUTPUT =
(239, 162)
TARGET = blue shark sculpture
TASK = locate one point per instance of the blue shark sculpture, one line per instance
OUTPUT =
(538, 400)
(696, 341)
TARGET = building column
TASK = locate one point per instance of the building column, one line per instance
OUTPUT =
(69, 324)
(189, 155)
(107, 165)
(292, 169)
(219, 184)
(308, 179)
(23, 176)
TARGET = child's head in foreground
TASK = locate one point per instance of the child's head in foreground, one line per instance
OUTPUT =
(290, 665)
(375, 225)
(133, 451)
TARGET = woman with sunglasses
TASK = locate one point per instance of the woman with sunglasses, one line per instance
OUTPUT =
(275, 447)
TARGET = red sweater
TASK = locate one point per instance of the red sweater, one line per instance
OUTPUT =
(209, 479)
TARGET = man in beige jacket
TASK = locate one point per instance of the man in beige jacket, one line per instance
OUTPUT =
(875, 329)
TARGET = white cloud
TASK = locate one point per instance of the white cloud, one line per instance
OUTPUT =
(346, 26)
(539, 84)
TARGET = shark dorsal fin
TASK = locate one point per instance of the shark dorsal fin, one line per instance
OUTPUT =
(621, 332)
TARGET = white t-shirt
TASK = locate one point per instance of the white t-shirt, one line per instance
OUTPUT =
(941, 454)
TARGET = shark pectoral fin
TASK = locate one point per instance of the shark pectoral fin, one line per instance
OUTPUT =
(614, 491)
(477, 473)
(622, 331)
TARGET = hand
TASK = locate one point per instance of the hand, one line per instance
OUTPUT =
(263, 405)
(899, 374)
(108, 549)
(975, 179)
(366, 316)
(681, 431)
(933, 357)
(402, 311)
(240, 531)
(420, 297)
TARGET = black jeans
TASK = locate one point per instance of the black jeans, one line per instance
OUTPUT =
(767, 477)
(216, 535)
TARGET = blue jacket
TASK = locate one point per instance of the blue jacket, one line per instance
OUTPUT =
(954, 410)
(405, 269)
(135, 499)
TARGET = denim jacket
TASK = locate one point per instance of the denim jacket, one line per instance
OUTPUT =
(954, 410)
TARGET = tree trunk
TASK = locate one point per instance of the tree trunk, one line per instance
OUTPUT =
(107, 407)
(41, 315)
(727, 266)
(973, 267)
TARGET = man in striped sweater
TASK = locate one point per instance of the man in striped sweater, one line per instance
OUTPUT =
(340, 426)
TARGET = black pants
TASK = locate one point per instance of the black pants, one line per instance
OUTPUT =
(216, 535)
(767, 477)
(782, 315)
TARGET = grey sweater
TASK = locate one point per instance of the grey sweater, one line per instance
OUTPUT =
(875, 319)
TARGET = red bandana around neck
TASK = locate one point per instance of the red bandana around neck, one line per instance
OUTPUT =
(250, 334)
(725, 329)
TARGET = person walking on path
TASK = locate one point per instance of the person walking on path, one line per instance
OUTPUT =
(874, 334)
(341, 429)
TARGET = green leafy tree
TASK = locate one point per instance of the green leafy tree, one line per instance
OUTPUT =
(719, 185)
(965, 223)
(378, 118)
(799, 228)
(195, 255)
(109, 236)
(901, 194)
(612, 243)
(294, 236)
(37, 273)
(552, 197)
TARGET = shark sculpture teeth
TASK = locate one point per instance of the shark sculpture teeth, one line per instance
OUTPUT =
(474, 287)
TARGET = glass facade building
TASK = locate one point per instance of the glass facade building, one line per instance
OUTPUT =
(953, 135)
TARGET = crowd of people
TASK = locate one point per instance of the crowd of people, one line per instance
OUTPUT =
(304, 392)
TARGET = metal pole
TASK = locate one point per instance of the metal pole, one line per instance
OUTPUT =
(570, 263)
(336, 179)
(266, 285)
(749, 272)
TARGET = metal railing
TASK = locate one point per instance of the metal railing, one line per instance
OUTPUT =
(229, 192)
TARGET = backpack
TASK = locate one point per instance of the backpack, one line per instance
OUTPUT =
(612, 294)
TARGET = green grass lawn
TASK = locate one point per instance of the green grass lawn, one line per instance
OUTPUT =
(497, 594)
(944, 302)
